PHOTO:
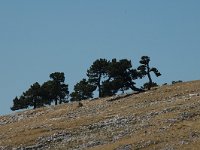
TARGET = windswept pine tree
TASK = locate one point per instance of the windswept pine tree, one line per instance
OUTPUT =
(121, 77)
(146, 70)
(108, 77)
(111, 76)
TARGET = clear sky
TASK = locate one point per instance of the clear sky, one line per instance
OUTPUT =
(41, 37)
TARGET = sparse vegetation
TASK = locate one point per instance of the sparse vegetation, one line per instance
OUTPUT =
(108, 77)
(179, 81)
(165, 118)
(146, 85)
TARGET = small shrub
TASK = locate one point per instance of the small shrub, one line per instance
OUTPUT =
(179, 81)
(146, 85)
(80, 104)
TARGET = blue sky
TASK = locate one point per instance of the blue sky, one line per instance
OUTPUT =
(40, 37)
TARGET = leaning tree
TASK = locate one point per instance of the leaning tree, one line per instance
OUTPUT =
(121, 77)
(145, 70)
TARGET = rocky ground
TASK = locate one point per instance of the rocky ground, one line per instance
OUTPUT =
(165, 118)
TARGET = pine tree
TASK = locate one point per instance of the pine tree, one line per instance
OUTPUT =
(33, 96)
(19, 103)
(97, 72)
(82, 90)
(121, 76)
(145, 69)
(39, 96)
(59, 90)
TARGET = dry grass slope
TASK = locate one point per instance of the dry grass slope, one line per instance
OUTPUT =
(164, 118)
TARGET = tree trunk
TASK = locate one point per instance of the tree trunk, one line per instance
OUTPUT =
(34, 104)
(136, 89)
(60, 101)
(149, 76)
(56, 102)
(99, 85)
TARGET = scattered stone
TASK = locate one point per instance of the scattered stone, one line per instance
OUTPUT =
(184, 142)
(125, 147)
(173, 120)
(93, 143)
(194, 94)
(187, 115)
(194, 135)
(110, 127)
(56, 137)
(145, 144)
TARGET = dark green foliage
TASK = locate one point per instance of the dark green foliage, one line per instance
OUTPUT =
(146, 85)
(34, 96)
(97, 72)
(58, 89)
(58, 77)
(145, 60)
(38, 96)
(47, 92)
(121, 76)
(179, 81)
(111, 76)
(145, 69)
(109, 88)
(108, 77)
(155, 71)
(82, 90)
(19, 103)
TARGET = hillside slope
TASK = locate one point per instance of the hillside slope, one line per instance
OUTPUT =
(164, 118)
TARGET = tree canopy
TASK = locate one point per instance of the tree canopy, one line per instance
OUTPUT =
(82, 90)
(58, 89)
(122, 75)
(97, 72)
(40, 95)
(145, 69)
(108, 77)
